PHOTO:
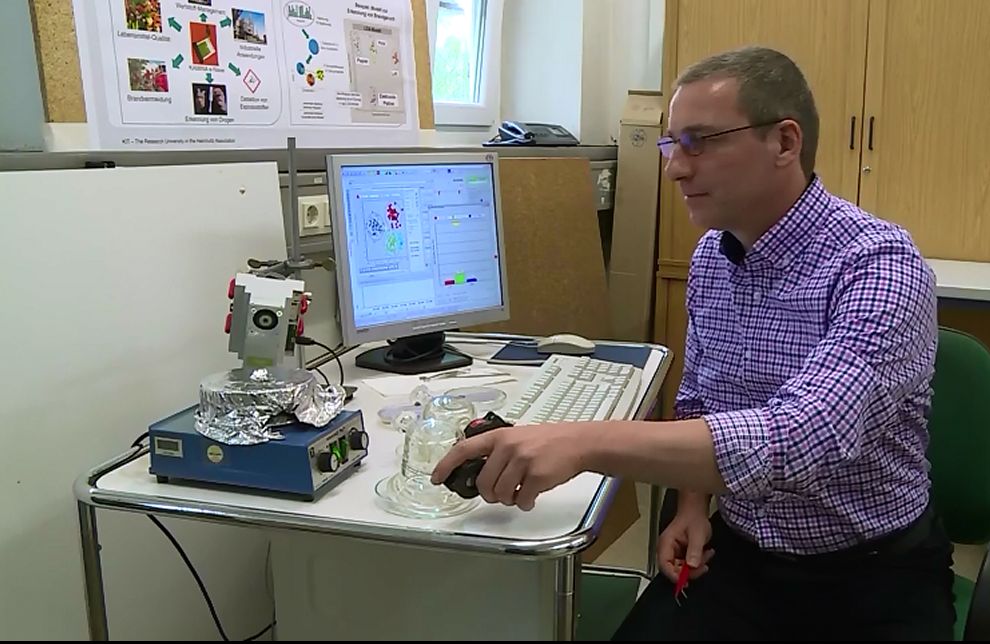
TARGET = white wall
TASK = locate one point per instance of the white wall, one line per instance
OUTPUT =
(636, 53)
(572, 62)
(20, 102)
(541, 62)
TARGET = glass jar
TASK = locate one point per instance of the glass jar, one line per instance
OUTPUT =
(410, 492)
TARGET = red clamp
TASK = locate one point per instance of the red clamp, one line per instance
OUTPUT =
(682, 580)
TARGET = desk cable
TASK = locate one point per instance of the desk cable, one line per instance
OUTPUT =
(195, 573)
(326, 381)
(307, 341)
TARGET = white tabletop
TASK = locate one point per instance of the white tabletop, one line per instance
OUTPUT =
(352, 504)
(962, 280)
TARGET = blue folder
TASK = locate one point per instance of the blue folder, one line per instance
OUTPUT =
(636, 355)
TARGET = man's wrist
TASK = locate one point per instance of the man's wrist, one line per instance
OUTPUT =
(592, 442)
(689, 501)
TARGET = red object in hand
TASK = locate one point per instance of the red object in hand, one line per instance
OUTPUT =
(227, 322)
(682, 580)
(299, 326)
(230, 289)
(303, 305)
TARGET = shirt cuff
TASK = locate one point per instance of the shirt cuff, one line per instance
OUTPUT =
(688, 412)
(743, 451)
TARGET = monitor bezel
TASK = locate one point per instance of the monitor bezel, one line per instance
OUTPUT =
(352, 336)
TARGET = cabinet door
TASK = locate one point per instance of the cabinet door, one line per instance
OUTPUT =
(826, 38)
(928, 98)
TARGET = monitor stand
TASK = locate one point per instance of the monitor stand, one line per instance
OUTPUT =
(413, 355)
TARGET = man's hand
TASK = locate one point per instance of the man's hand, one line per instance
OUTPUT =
(523, 461)
(685, 539)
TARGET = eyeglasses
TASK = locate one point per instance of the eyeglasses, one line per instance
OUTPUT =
(694, 144)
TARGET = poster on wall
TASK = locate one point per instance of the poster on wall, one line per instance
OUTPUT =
(235, 74)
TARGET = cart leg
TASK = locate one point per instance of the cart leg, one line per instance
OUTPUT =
(566, 599)
(96, 607)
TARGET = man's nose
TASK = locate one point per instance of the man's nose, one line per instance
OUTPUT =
(678, 168)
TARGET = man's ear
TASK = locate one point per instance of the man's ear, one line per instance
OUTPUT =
(790, 139)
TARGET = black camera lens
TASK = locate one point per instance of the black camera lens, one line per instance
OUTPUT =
(265, 319)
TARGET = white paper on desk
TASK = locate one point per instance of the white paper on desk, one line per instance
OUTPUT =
(390, 386)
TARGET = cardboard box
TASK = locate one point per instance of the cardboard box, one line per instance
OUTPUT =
(635, 222)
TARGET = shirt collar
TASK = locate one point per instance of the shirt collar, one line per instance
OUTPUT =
(788, 236)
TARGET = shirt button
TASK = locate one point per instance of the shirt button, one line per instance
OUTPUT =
(756, 296)
(748, 355)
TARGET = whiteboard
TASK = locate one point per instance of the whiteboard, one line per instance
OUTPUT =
(114, 296)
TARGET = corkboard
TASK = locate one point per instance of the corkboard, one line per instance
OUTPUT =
(58, 60)
(424, 75)
(553, 249)
(61, 82)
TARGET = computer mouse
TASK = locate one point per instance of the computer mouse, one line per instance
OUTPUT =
(463, 480)
(565, 343)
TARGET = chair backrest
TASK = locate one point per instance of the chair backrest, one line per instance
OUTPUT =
(959, 427)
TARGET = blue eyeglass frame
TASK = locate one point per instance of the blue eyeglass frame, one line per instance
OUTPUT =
(691, 143)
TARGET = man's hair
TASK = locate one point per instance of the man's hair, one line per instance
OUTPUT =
(771, 87)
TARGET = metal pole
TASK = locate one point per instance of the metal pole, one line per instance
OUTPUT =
(295, 252)
(564, 586)
(295, 255)
(96, 605)
(654, 528)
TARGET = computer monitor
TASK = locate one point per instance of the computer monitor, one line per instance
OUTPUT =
(419, 251)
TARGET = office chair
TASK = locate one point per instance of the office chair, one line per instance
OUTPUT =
(959, 452)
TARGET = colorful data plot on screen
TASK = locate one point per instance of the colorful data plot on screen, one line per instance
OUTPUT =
(460, 278)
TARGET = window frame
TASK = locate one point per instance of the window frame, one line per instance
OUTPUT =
(485, 112)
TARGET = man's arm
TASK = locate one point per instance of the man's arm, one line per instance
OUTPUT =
(879, 349)
(689, 402)
(524, 461)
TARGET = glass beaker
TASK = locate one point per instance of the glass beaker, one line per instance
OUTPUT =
(410, 492)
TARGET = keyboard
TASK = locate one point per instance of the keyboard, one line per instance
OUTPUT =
(574, 388)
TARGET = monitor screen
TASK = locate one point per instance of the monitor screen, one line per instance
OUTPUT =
(418, 243)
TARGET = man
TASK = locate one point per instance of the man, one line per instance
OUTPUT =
(804, 400)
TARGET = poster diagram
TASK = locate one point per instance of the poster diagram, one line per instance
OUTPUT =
(349, 68)
(247, 73)
(201, 65)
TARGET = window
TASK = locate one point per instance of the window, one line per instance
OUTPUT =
(464, 48)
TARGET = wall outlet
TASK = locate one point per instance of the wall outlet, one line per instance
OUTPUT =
(314, 215)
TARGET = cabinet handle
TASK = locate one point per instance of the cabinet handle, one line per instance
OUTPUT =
(870, 141)
(852, 134)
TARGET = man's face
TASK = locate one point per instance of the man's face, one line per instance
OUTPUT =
(730, 174)
(219, 99)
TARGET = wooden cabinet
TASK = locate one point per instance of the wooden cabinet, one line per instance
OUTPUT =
(902, 89)
(928, 99)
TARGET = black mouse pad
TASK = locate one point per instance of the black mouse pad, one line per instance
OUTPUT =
(634, 355)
